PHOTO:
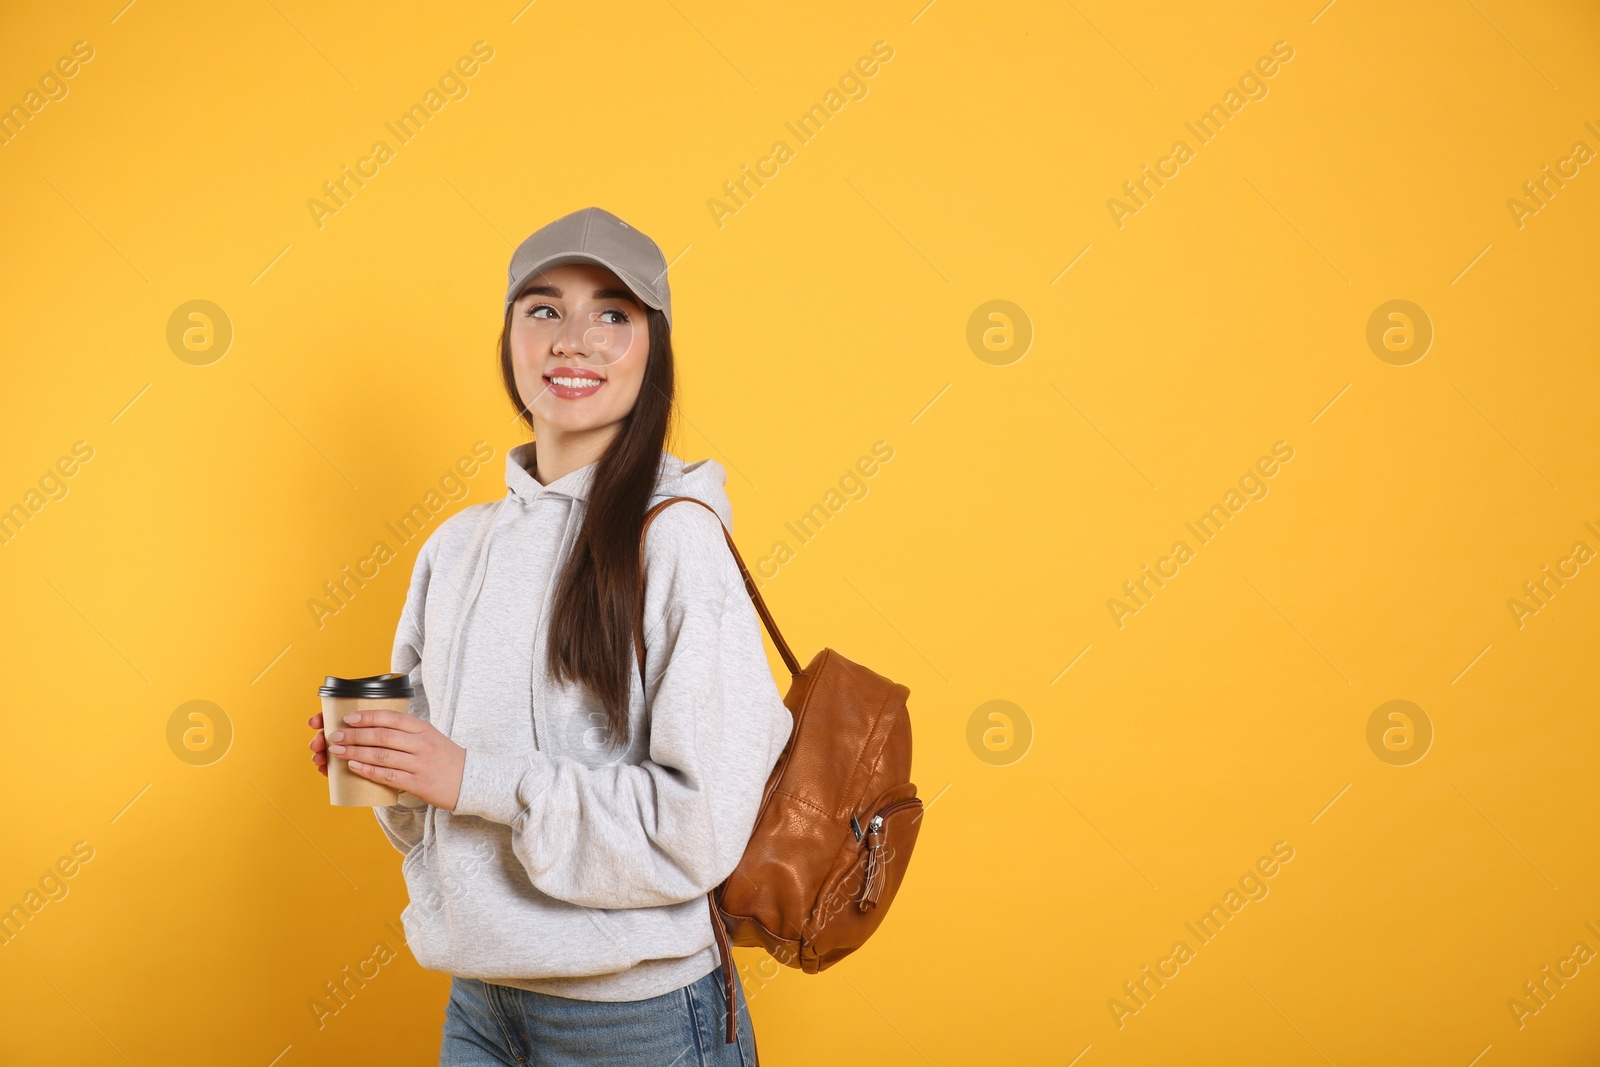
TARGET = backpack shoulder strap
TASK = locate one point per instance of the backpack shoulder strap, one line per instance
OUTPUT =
(749, 585)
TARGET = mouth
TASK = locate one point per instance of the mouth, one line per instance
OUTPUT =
(573, 383)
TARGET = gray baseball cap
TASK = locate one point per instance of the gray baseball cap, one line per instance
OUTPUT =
(594, 235)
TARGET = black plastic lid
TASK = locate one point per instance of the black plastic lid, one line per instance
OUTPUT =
(378, 687)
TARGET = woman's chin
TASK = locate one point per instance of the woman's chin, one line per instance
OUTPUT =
(568, 416)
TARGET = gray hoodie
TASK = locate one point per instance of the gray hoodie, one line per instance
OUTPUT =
(567, 868)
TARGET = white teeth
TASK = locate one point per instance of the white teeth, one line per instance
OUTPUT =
(576, 383)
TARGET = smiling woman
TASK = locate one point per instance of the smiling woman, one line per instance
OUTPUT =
(578, 787)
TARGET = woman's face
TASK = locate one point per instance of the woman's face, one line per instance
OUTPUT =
(579, 340)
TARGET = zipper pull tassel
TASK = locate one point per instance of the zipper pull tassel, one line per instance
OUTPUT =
(873, 879)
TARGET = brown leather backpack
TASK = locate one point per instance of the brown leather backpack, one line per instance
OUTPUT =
(838, 819)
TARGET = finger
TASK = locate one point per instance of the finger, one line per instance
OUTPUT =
(318, 742)
(377, 757)
(398, 720)
(380, 737)
(315, 722)
(391, 776)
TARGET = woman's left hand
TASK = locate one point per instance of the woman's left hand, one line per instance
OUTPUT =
(402, 751)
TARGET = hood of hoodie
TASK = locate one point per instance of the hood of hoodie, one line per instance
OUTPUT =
(703, 479)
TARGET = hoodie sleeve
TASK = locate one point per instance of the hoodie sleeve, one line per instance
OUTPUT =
(402, 823)
(672, 827)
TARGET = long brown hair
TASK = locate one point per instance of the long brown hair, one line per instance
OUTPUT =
(597, 595)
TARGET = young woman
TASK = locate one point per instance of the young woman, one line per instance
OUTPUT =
(561, 818)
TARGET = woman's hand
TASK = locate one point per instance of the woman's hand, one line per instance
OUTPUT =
(318, 745)
(398, 750)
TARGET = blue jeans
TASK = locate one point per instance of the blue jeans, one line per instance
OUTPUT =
(488, 1025)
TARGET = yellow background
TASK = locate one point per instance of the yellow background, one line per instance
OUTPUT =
(826, 314)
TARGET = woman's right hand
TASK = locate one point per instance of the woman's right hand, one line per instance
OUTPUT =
(319, 744)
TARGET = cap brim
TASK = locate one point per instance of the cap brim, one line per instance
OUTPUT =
(515, 290)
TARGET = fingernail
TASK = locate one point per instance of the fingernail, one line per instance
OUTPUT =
(337, 735)
(353, 718)
(335, 748)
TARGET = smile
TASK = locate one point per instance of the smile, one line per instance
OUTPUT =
(572, 386)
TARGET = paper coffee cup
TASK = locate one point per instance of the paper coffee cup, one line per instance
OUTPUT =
(342, 697)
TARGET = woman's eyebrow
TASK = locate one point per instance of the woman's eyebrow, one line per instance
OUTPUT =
(599, 294)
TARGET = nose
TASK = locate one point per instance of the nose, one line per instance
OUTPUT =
(570, 337)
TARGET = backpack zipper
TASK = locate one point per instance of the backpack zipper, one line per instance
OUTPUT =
(873, 880)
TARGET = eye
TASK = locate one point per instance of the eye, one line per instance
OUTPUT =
(533, 310)
(621, 316)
